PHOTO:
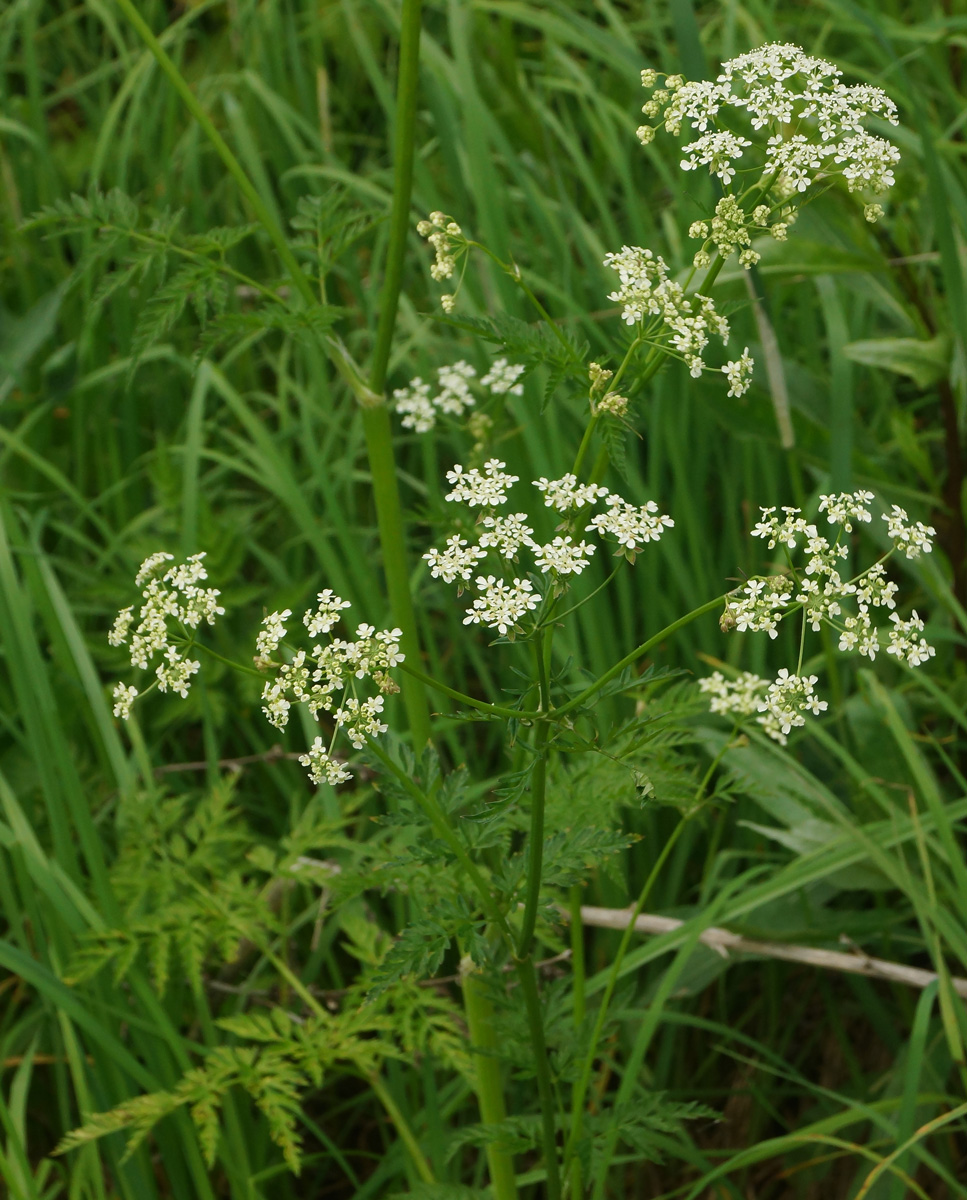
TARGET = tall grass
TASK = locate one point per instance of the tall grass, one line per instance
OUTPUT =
(525, 132)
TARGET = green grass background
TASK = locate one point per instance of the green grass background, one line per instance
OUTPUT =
(526, 135)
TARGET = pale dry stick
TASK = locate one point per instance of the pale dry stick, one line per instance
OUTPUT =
(723, 940)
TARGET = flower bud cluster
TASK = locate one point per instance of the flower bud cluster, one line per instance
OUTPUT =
(820, 592)
(170, 594)
(419, 405)
(326, 677)
(666, 316)
(814, 124)
(441, 232)
(502, 601)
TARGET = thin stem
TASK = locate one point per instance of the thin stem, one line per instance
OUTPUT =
(575, 1179)
(376, 421)
(489, 1085)
(496, 710)
(407, 1137)
(232, 165)
(585, 445)
(438, 820)
(236, 666)
(581, 1087)
(527, 974)
(535, 841)
(635, 654)
(553, 618)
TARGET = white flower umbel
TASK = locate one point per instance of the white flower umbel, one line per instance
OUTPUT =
(502, 378)
(846, 508)
(563, 556)
(739, 373)
(912, 539)
(457, 561)
(738, 697)
(506, 535)
(415, 407)
(661, 309)
(174, 605)
(632, 526)
(272, 633)
(361, 720)
(784, 704)
(783, 121)
(484, 489)
(419, 405)
(905, 642)
(823, 597)
(326, 614)
(500, 605)
(326, 678)
(760, 606)
(322, 768)
(566, 493)
(124, 697)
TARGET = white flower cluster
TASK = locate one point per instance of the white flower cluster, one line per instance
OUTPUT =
(782, 707)
(439, 231)
(734, 697)
(500, 604)
(419, 404)
(324, 677)
(913, 540)
(169, 593)
(785, 702)
(651, 299)
(821, 593)
(814, 123)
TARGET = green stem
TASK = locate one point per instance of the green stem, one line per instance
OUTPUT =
(441, 825)
(496, 710)
(376, 421)
(635, 654)
(527, 974)
(581, 1087)
(525, 942)
(575, 1179)
(232, 165)
(535, 840)
(490, 1090)
(407, 1137)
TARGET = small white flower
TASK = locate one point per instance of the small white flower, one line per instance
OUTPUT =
(326, 614)
(500, 605)
(124, 697)
(739, 373)
(507, 534)
(322, 768)
(563, 556)
(566, 493)
(911, 539)
(274, 632)
(502, 378)
(481, 489)
(457, 561)
(633, 526)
